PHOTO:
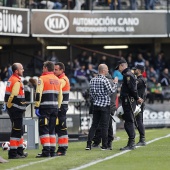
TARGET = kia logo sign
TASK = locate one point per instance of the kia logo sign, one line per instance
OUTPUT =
(56, 23)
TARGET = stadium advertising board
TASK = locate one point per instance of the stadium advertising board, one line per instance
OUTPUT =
(51, 23)
(14, 22)
(156, 115)
(107, 24)
(78, 123)
(73, 123)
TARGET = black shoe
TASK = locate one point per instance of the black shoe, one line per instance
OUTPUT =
(53, 154)
(141, 143)
(88, 147)
(24, 154)
(60, 154)
(104, 148)
(16, 157)
(109, 146)
(131, 147)
(94, 145)
(42, 156)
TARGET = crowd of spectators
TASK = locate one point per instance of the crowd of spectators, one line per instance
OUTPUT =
(45, 4)
(5, 72)
(88, 5)
(84, 67)
(35, 65)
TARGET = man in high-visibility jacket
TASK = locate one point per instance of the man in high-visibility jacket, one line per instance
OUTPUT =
(61, 128)
(48, 100)
(15, 100)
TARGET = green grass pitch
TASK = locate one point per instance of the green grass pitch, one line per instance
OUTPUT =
(154, 156)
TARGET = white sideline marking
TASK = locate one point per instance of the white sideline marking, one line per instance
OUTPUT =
(86, 165)
(115, 155)
(31, 163)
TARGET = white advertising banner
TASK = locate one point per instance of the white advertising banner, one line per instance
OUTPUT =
(156, 115)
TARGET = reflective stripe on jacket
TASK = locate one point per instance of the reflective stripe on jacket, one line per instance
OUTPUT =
(14, 94)
(48, 89)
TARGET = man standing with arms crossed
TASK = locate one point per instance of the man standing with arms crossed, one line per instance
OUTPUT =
(61, 128)
(15, 100)
(100, 91)
(48, 100)
(130, 98)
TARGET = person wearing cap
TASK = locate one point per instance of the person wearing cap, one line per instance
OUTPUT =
(141, 87)
(129, 97)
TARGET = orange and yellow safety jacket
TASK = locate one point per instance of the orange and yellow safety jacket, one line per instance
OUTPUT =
(48, 91)
(65, 88)
(14, 94)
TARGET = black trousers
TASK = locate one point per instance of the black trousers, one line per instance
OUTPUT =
(61, 129)
(139, 120)
(100, 115)
(16, 117)
(47, 123)
(98, 136)
(128, 117)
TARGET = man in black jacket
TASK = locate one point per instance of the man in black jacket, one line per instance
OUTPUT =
(141, 87)
(129, 97)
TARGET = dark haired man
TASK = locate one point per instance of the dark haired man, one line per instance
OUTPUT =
(15, 100)
(130, 98)
(48, 100)
(141, 87)
(61, 128)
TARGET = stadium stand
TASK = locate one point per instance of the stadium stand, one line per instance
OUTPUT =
(78, 101)
(81, 4)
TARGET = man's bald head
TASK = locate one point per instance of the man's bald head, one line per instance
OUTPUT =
(17, 68)
(103, 69)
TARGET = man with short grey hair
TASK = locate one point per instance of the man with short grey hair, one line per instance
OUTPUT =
(100, 90)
